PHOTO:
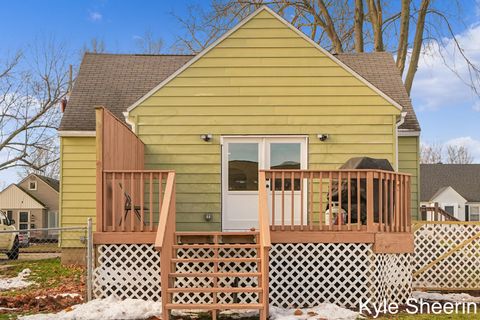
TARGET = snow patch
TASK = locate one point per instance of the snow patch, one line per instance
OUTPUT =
(450, 297)
(61, 295)
(17, 282)
(322, 311)
(107, 309)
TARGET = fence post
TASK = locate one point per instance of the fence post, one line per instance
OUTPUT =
(89, 259)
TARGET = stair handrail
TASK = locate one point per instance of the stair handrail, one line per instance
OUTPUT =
(165, 239)
(438, 213)
(265, 241)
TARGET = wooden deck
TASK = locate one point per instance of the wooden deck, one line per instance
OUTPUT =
(138, 206)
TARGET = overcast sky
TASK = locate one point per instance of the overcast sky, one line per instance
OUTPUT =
(447, 109)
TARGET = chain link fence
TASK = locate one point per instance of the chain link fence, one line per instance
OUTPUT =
(51, 264)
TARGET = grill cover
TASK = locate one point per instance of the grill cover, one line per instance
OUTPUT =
(361, 163)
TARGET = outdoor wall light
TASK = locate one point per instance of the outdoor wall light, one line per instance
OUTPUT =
(206, 137)
(208, 216)
(322, 136)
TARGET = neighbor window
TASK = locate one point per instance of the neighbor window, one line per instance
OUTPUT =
(23, 217)
(10, 214)
(32, 185)
(475, 213)
(450, 209)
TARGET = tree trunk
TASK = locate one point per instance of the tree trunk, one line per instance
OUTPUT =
(375, 13)
(358, 27)
(417, 45)
(332, 33)
(403, 39)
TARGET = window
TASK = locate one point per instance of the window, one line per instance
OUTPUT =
(243, 166)
(474, 213)
(52, 219)
(32, 185)
(450, 209)
(10, 214)
(23, 220)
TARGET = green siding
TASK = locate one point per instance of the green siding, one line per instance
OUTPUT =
(408, 161)
(264, 79)
(77, 185)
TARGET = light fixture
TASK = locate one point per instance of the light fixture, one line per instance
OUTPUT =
(322, 136)
(206, 137)
(208, 216)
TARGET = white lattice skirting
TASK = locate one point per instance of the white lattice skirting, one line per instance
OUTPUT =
(301, 275)
(307, 274)
(127, 271)
(458, 266)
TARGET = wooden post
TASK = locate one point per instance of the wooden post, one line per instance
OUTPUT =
(370, 199)
(435, 216)
(99, 167)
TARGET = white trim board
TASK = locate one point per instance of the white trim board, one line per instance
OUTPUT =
(76, 133)
(239, 25)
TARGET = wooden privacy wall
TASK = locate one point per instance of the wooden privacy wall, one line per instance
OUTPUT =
(120, 148)
(117, 148)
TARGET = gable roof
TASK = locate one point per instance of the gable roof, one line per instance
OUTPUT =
(53, 183)
(14, 197)
(463, 178)
(380, 70)
(114, 81)
(445, 189)
(120, 82)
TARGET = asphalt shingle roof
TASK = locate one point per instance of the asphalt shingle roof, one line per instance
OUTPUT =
(464, 178)
(379, 69)
(116, 81)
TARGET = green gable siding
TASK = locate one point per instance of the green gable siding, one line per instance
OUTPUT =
(408, 161)
(77, 185)
(264, 79)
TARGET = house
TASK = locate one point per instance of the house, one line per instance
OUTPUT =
(454, 187)
(226, 162)
(33, 204)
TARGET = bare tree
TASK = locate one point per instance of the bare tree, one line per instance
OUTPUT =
(94, 46)
(345, 26)
(148, 43)
(458, 154)
(431, 153)
(31, 86)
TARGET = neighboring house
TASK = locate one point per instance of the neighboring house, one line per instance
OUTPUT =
(455, 187)
(262, 97)
(33, 204)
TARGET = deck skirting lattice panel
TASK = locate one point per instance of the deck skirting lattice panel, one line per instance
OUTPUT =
(303, 275)
(447, 256)
(127, 271)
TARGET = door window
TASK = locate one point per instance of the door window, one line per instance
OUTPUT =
(23, 217)
(286, 156)
(474, 213)
(243, 166)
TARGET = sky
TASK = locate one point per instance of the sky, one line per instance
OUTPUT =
(448, 111)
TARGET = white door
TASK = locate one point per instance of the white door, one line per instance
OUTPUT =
(242, 157)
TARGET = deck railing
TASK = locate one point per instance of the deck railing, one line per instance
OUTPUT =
(165, 239)
(337, 200)
(133, 199)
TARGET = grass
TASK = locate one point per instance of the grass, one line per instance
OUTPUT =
(46, 273)
(50, 278)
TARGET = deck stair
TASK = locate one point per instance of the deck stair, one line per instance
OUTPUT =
(215, 271)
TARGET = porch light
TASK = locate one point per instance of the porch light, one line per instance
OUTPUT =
(322, 136)
(206, 137)
(208, 216)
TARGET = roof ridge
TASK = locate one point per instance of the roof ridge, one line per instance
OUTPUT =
(139, 54)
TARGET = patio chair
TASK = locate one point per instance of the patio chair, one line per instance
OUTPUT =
(129, 208)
